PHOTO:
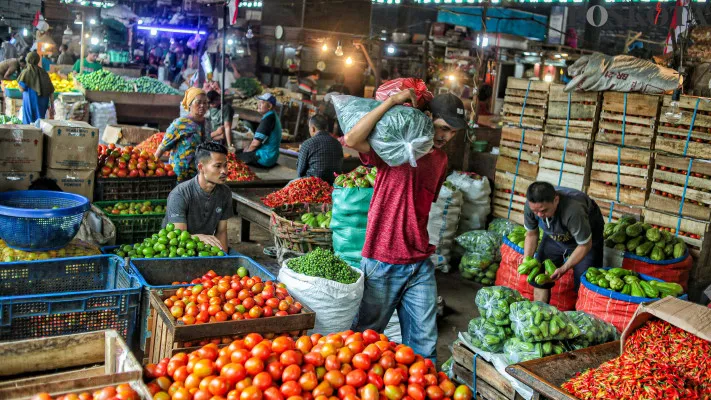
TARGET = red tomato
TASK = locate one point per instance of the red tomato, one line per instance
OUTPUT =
(262, 380)
(393, 392)
(417, 392)
(418, 369)
(356, 378)
(262, 350)
(275, 369)
(393, 377)
(405, 355)
(448, 388)
(308, 381)
(282, 344)
(361, 361)
(203, 368)
(369, 392)
(233, 372)
(291, 373)
(273, 393)
(370, 336)
(290, 357)
(290, 388)
(323, 389)
(314, 358)
(462, 392)
(376, 380)
(240, 356)
(373, 352)
(251, 393)
(219, 386)
(435, 393)
(332, 363)
(254, 366)
(252, 339)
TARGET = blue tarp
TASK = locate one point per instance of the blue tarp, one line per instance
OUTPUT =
(499, 20)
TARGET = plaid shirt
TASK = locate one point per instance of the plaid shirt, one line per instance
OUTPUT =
(321, 156)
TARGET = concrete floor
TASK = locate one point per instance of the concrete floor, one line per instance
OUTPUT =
(457, 292)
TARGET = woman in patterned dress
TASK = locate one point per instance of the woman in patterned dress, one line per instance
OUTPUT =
(185, 134)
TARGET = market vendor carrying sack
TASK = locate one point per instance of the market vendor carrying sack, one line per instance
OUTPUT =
(572, 225)
(396, 254)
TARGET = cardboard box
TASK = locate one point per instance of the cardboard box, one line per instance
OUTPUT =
(693, 318)
(125, 135)
(17, 180)
(73, 181)
(20, 148)
(70, 144)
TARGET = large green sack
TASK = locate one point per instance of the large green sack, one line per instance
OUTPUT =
(349, 221)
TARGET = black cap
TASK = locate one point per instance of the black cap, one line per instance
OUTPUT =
(450, 108)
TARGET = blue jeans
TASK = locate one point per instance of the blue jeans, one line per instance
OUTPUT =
(410, 289)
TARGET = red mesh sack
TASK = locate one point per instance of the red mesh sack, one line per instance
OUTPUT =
(394, 86)
(563, 294)
(676, 270)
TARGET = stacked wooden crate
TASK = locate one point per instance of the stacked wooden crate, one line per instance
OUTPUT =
(524, 115)
(680, 194)
(622, 152)
(567, 140)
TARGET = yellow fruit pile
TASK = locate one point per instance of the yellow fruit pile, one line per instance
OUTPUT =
(76, 248)
(60, 84)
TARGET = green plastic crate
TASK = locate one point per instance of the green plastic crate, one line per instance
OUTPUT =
(131, 229)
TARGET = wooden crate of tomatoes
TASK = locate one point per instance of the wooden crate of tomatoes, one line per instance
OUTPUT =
(686, 130)
(232, 306)
(70, 367)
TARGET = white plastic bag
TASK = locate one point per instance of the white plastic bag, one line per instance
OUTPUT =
(102, 114)
(598, 72)
(335, 304)
(403, 134)
(444, 220)
(476, 204)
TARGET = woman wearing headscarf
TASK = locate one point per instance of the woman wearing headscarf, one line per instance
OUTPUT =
(36, 90)
(185, 134)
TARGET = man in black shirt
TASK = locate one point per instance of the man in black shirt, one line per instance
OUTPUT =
(220, 117)
(322, 155)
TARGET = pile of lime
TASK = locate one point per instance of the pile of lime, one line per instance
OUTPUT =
(169, 243)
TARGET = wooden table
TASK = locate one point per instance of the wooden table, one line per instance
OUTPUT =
(247, 197)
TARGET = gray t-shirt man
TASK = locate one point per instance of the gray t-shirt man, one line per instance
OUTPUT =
(571, 222)
(201, 211)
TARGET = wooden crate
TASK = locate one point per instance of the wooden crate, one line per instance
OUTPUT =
(68, 364)
(167, 335)
(503, 188)
(633, 177)
(511, 148)
(535, 96)
(668, 181)
(566, 161)
(690, 230)
(12, 107)
(584, 113)
(639, 118)
(618, 210)
(490, 384)
(671, 137)
(545, 375)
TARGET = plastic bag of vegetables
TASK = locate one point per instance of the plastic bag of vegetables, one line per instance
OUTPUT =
(593, 331)
(536, 321)
(482, 242)
(403, 134)
(503, 227)
(494, 302)
(478, 268)
(517, 350)
(447, 368)
(488, 336)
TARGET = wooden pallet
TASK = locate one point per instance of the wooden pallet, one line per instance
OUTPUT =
(619, 210)
(690, 230)
(672, 136)
(503, 184)
(168, 336)
(584, 113)
(668, 181)
(511, 148)
(566, 161)
(639, 119)
(535, 96)
(68, 364)
(490, 384)
(633, 174)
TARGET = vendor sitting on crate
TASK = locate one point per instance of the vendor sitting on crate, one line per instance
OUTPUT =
(203, 204)
(572, 225)
(263, 150)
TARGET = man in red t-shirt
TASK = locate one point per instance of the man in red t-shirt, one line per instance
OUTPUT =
(398, 272)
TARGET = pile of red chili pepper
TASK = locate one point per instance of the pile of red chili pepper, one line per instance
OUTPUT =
(305, 190)
(238, 171)
(660, 361)
(151, 143)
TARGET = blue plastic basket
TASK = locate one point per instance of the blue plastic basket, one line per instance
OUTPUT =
(159, 274)
(65, 296)
(29, 222)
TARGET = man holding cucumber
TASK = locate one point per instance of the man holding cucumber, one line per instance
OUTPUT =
(572, 225)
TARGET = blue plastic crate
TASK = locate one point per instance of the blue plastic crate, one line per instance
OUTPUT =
(159, 274)
(68, 295)
(40, 220)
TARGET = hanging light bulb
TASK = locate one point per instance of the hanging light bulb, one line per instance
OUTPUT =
(68, 31)
(24, 32)
(230, 42)
(324, 48)
(349, 61)
(339, 49)
(673, 113)
(391, 49)
(94, 41)
(249, 33)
